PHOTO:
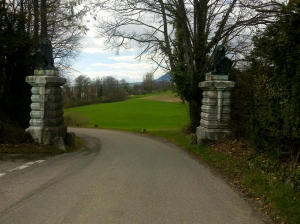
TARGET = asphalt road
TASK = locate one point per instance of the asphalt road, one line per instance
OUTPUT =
(119, 178)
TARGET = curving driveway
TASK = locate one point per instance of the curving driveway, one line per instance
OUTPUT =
(120, 178)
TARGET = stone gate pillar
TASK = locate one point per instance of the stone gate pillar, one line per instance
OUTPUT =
(46, 121)
(215, 110)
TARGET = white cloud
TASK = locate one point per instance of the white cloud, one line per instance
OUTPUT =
(97, 61)
(131, 72)
(141, 66)
(93, 45)
(123, 58)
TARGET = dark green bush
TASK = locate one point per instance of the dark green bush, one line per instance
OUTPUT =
(11, 133)
(241, 101)
(15, 64)
(274, 121)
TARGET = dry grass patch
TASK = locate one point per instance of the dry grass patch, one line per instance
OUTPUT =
(169, 97)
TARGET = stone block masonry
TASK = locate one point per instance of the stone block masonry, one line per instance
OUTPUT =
(46, 121)
(215, 110)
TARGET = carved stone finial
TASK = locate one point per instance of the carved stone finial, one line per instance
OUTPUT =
(46, 48)
(221, 64)
(43, 58)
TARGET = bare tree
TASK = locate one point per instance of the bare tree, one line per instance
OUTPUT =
(58, 20)
(65, 28)
(97, 86)
(82, 84)
(112, 90)
(68, 94)
(181, 35)
(148, 82)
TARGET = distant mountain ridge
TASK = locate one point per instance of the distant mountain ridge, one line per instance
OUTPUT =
(166, 77)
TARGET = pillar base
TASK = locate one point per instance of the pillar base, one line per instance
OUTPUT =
(46, 134)
(211, 134)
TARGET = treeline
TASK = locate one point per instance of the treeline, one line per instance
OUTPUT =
(266, 100)
(84, 90)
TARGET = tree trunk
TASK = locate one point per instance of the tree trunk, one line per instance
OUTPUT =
(29, 19)
(194, 110)
(23, 17)
(43, 19)
(36, 22)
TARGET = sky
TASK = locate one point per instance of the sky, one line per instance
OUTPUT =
(94, 61)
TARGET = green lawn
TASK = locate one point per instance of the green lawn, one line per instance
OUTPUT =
(135, 114)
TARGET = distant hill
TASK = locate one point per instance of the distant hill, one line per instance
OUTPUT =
(134, 83)
(166, 77)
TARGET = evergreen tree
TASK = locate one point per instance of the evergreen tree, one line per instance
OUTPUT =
(275, 67)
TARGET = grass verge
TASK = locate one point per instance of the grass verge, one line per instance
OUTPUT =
(28, 148)
(15, 140)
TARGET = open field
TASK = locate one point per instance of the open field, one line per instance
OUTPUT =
(135, 114)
